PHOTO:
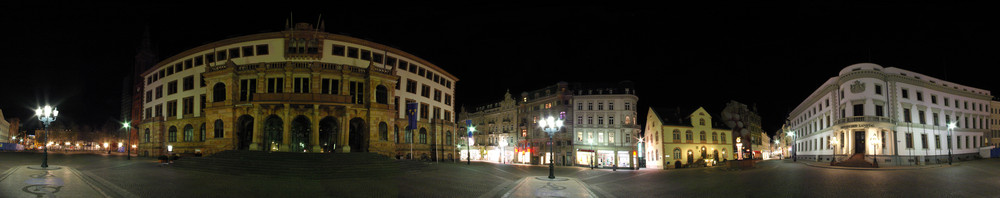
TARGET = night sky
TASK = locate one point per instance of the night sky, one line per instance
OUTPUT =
(771, 55)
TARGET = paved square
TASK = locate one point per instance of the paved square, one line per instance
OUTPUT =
(142, 177)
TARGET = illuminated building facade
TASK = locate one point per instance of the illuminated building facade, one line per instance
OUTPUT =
(676, 139)
(993, 136)
(5, 132)
(605, 130)
(496, 124)
(893, 115)
(297, 90)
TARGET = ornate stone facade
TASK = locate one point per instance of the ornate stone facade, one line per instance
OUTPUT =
(298, 90)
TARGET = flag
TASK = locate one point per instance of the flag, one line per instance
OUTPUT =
(411, 115)
(469, 124)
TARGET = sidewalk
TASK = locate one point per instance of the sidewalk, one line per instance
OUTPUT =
(826, 164)
(542, 186)
(22, 181)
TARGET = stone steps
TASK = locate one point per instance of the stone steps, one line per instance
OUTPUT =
(856, 160)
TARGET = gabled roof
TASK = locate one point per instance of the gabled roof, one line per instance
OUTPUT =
(682, 116)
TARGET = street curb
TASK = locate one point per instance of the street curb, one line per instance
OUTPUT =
(876, 169)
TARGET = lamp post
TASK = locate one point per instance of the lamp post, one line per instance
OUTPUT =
(834, 143)
(593, 154)
(503, 152)
(794, 151)
(468, 151)
(951, 132)
(46, 116)
(127, 125)
(551, 126)
(875, 144)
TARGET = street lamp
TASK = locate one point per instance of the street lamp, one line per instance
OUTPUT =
(951, 132)
(551, 125)
(46, 116)
(468, 151)
(834, 143)
(794, 151)
(593, 154)
(503, 143)
(875, 144)
(127, 125)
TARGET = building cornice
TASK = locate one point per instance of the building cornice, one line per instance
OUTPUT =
(282, 35)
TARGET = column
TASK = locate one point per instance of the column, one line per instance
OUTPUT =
(286, 126)
(256, 145)
(344, 130)
(314, 133)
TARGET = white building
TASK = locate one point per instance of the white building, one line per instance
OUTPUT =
(605, 125)
(900, 117)
(4, 127)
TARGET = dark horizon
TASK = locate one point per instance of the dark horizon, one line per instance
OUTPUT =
(774, 56)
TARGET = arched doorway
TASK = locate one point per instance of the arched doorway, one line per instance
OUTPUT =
(358, 133)
(301, 128)
(704, 153)
(244, 132)
(715, 154)
(329, 133)
(690, 157)
(272, 133)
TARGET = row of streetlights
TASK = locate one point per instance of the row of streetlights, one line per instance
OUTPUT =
(48, 114)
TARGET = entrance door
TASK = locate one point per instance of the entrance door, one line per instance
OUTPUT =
(244, 132)
(358, 134)
(859, 142)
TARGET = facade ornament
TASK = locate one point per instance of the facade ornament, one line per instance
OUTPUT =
(857, 87)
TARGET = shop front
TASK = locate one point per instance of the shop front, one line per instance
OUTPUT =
(584, 157)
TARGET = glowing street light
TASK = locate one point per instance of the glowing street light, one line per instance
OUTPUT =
(794, 151)
(951, 132)
(550, 125)
(468, 151)
(127, 125)
(46, 116)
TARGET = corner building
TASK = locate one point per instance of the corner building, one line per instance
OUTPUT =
(896, 116)
(298, 90)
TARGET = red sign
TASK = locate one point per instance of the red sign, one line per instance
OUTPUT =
(585, 150)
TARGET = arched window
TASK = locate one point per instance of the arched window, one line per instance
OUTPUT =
(396, 133)
(701, 136)
(677, 154)
(677, 135)
(688, 135)
(724, 140)
(202, 135)
(219, 92)
(701, 121)
(145, 136)
(381, 95)
(383, 131)
(172, 134)
(218, 128)
(409, 136)
(423, 136)
(188, 133)
(447, 136)
(715, 137)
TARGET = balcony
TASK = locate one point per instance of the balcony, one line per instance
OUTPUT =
(300, 97)
(864, 119)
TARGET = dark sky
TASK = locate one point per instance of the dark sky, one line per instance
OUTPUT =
(771, 55)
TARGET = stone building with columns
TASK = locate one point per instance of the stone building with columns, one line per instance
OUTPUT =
(297, 90)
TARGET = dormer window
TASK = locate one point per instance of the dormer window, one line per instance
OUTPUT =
(702, 122)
